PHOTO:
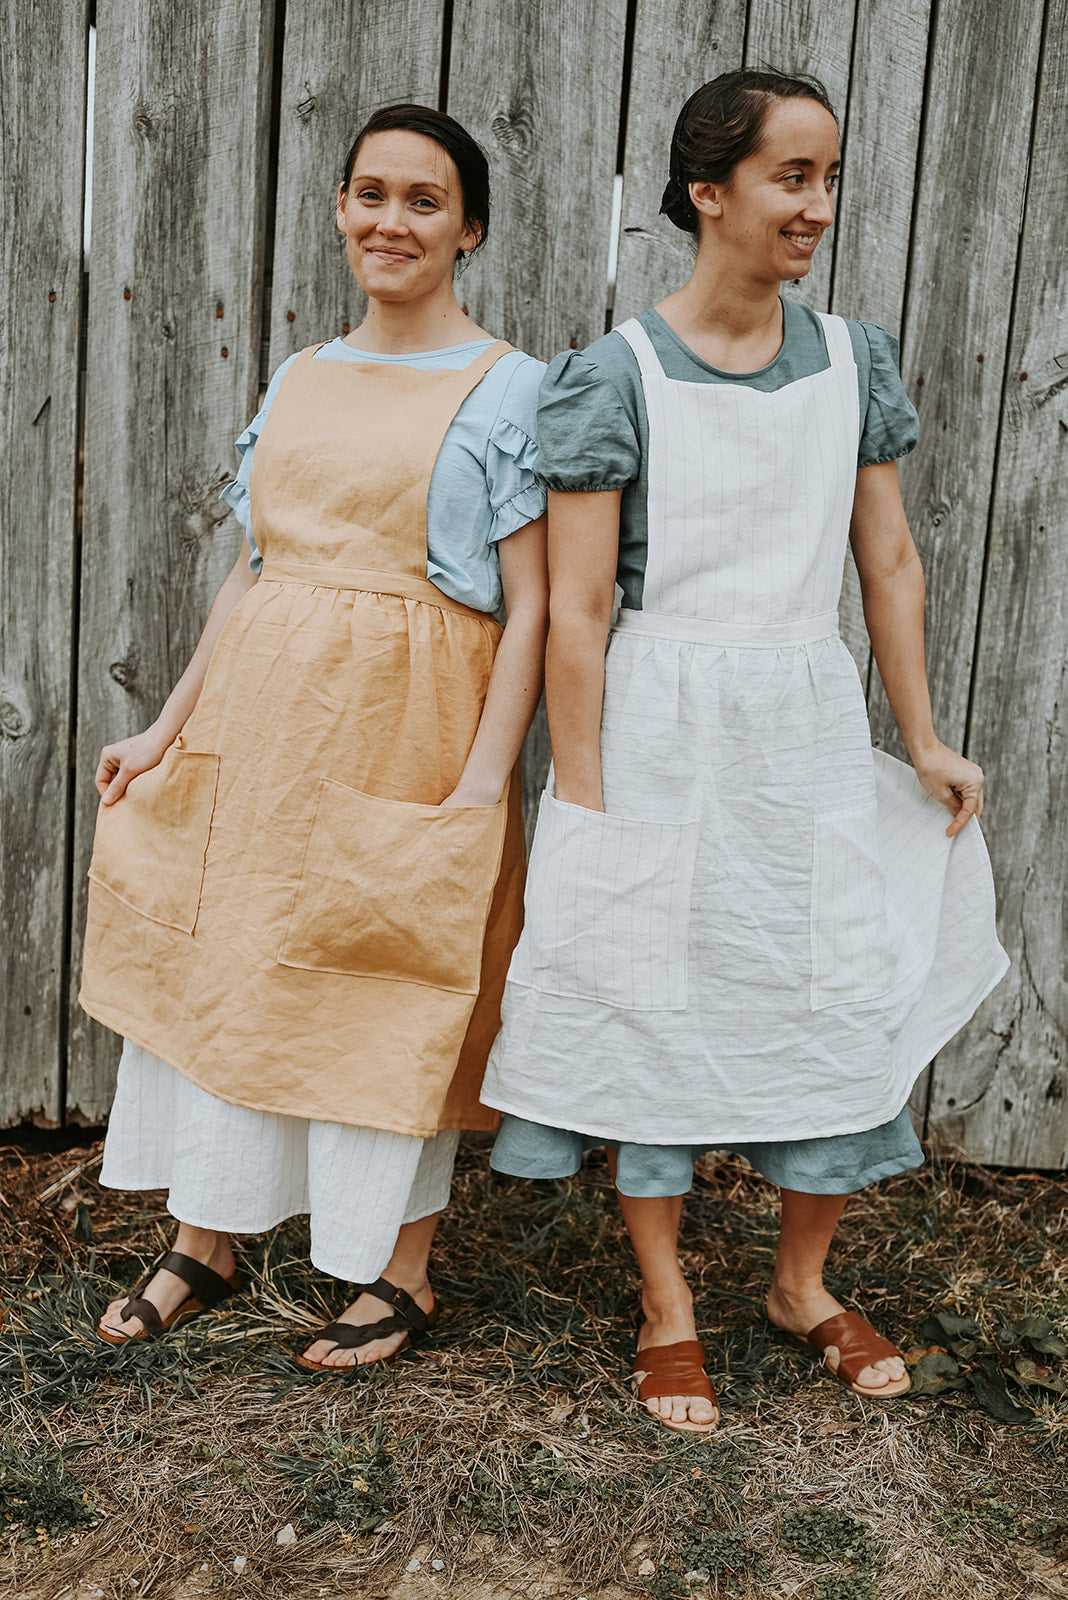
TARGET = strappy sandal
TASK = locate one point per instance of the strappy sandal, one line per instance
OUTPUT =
(858, 1346)
(409, 1318)
(207, 1289)
(665, 1369)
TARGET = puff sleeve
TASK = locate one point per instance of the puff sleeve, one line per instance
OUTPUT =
(891, 426)
(585, 437)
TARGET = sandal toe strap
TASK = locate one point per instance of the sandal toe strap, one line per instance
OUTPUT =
(856, 1341)
(350, 1335)
(146, 1311)
(672, 1369)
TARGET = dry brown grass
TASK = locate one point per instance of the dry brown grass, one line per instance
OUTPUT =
(507, 1448)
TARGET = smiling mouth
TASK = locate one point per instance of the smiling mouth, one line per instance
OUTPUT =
(800, 238)
(389, 255)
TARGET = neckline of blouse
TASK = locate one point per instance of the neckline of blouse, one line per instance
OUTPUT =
(720, 372)
(407, 355)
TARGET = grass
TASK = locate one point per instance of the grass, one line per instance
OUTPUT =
(507, 1449)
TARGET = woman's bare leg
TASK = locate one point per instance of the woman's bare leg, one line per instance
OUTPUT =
(166, 1291)
(407, 1269)
(797, 1299)
(653, 1225)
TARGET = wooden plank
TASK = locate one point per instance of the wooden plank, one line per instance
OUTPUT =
(1001, 1087)
(705, 39)
(540, 88)
(973, 171)
(42, 140)
(341, 62)
(874, 228)
(175, 318)
(811, 37)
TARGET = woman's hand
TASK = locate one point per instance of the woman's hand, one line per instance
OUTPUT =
(466, 794)
(954, 781)
(120, 762)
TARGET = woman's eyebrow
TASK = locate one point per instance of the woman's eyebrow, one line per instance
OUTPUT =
(420, 183)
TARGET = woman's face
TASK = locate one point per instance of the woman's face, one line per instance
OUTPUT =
(403, 216)
(780, 200)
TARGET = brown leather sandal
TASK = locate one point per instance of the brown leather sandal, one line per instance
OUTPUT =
(664, 1369)
(858, 1346)
(409, 1318)
(207, 1288)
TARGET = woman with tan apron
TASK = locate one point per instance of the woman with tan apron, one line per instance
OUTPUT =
(745, 928)
(307, 875)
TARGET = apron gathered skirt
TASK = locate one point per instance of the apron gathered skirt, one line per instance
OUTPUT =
(766, 934)
(281, 910)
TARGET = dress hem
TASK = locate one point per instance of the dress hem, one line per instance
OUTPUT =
(720, 1139)
(487, 1124)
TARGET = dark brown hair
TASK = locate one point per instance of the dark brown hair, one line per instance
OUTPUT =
(467, 154)
(721, 124)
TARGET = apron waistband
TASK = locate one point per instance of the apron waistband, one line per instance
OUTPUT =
(746, 635)
(369, 580)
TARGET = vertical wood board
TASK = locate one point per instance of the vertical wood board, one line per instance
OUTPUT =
(175, 313)
(980, 98)
(1001, 1087)
(705, 39)
(540, 88)
(42, 137)
(340, 63)
(880, 148)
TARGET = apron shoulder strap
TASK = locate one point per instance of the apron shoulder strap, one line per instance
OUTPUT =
(489, 358)
(644, 353)
(839, 344)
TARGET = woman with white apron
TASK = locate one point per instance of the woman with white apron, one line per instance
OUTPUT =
(745, 929)
(307, 875)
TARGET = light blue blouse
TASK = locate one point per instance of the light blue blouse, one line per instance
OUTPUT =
(483, 486)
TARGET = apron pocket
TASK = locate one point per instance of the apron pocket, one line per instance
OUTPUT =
(150, 847)
(607, 908)
(850, 935)
(395, 890)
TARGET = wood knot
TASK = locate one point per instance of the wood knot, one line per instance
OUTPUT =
(12, 723)
(143, 122)
(514, 131)
(124, 673)
(167, 329)
(306, 107)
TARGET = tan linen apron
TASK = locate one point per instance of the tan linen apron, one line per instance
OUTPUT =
(280, 909)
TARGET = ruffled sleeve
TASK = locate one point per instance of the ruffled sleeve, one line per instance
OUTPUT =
(891, 426)
(517, 496)
(585, 437)
(236, 493)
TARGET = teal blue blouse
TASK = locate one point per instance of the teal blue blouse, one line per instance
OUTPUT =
(593, 432)
(484, 485)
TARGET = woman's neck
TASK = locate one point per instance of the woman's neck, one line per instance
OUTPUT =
(728, 318)
(402, 327)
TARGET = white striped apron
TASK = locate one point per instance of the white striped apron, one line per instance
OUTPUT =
(766, 935)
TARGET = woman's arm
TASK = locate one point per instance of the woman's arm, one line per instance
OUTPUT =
(122, 761)
(583, 555)
(891, 582)
(515, 682)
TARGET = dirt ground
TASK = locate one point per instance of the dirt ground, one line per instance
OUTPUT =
(505, 1457)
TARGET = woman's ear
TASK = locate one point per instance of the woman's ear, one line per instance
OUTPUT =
(707, 198)
(341, 198)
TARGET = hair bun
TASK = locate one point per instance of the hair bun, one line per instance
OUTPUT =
(676, 205)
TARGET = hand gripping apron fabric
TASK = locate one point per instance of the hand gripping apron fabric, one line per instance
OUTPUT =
(280, 909)
(767, 934)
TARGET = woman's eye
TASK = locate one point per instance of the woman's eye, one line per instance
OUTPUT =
(426, 202)
(368, 194)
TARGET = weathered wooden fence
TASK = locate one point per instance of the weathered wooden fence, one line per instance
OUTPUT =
(219, 130)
